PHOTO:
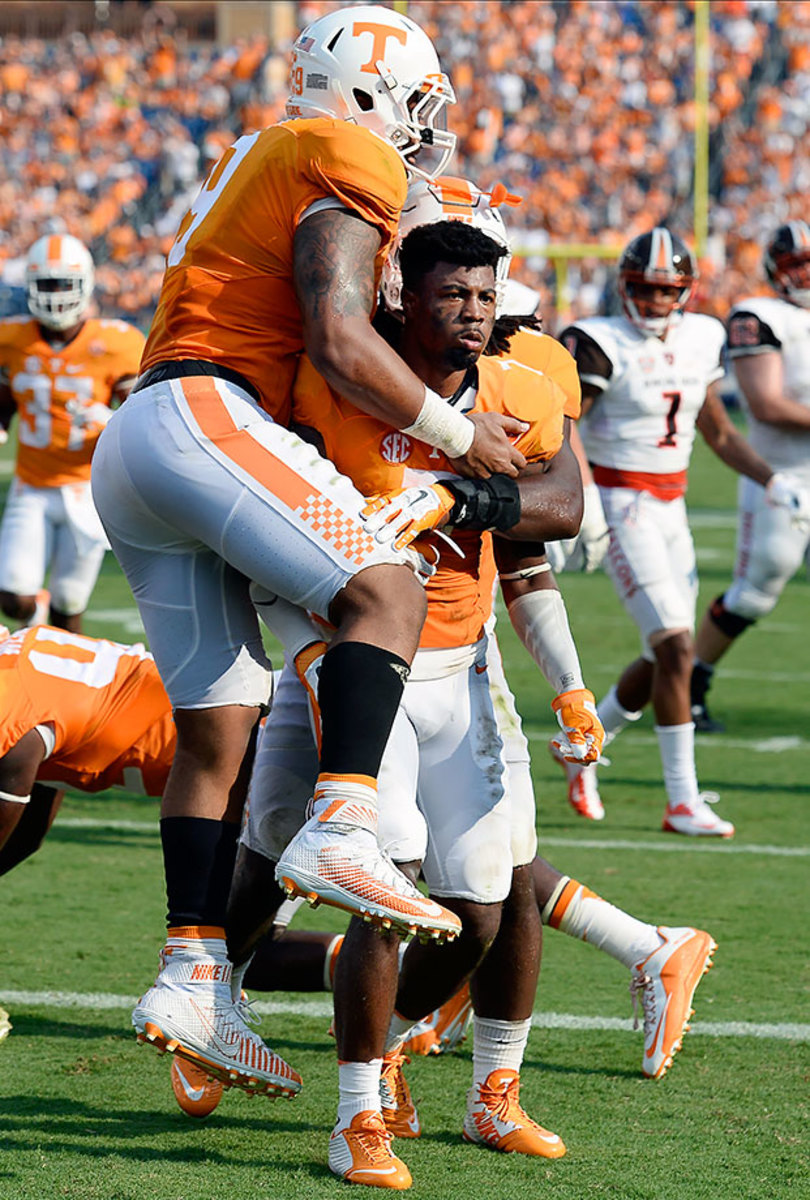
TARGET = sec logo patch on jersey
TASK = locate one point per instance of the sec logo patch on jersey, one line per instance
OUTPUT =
(396, 447)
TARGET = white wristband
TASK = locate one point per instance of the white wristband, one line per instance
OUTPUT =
(541, 622)
(441, 425)
(13, 798)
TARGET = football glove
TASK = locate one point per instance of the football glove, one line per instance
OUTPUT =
(396, 518)
(785, 491)
(583, 734)
(89, 416)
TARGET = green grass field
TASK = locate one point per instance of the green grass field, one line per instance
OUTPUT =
(85, 1114)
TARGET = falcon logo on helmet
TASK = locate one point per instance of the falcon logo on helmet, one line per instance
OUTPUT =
(655, 259)
(375, 67)
(787, 262)
(449, 199)
(58, 280)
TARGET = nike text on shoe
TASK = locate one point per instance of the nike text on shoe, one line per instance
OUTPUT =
(361, 1153)
(444, 1029)
(334, 859)
(398, 1109)
(189, 1011)
(666, 981)
(195, 1091)
(583, 791)
(698, 821)
(495, 1118)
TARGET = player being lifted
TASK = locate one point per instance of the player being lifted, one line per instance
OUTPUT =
(60, 371)
(649, 380)
(202, 487)
(769, 348)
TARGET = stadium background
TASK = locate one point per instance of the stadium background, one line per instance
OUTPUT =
(591, 110)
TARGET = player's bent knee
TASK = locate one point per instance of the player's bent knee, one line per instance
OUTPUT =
(740, 607)
(674, 650)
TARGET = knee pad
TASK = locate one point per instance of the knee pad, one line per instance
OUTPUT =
(740, 607)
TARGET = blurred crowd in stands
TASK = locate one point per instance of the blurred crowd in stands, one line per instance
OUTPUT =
(584, 108)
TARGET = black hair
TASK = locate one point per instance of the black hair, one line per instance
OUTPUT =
(447, 242)
(506, 327)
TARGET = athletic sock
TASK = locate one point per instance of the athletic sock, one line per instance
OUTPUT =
(498, 1045)
(576, 910)
(359, 691)
(677, 746)
(198, 861)
(614, 716)
(359, 1089)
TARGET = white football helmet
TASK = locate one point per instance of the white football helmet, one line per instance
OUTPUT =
(58, 280)
(375, 67)
(449, 199)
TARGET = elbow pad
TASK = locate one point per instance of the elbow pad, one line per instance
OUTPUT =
(492, 503)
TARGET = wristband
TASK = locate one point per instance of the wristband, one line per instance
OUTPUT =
(492, 503)
(15, 799)
(441, 425)
(541, 622)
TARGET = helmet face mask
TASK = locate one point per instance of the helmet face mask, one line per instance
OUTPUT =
(656, 278)
(449, 199)
(787, 262)
(375, 67)
(59, 281)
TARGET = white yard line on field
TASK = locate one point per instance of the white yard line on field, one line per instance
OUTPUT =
(717, 741)
(676, 844)
(322, 1010)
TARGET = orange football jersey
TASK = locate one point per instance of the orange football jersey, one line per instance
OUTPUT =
(228, 294)
(51, 387)
(104, 701)
(380, 459)
(546, 354)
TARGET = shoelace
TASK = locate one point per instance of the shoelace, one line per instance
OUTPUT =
(392, 1075)
(641, 983)
(709, 798)
(502, 1104)
(246, 1011)
(374, 1142)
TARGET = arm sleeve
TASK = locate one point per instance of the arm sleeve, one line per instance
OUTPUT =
(748, 334)
(593, 365)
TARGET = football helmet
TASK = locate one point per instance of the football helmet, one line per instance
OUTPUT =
(58, 280)
(375, 67)
(787, 262)
(657, 257)
(449, 199)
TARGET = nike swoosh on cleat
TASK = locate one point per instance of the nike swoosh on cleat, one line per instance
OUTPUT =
(193, 1093)
(659, 1037)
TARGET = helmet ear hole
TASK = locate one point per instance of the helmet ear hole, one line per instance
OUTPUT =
(363, 100)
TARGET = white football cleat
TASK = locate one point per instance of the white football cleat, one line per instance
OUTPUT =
(335, 859)
(5, 1024)
(666, 981)
(698, 821)
(583, 790)
(189, 1011)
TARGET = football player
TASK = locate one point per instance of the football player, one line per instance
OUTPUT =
(474, 843)
(769, 348)
(649, 381)
(60, 371)
(202, 487)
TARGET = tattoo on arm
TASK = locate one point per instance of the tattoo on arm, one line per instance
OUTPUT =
(334, 265)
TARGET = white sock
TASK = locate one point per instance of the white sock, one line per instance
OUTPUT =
(677, 745)
(579, 912)
(613, 716)
(498, 1045)
(359, 1089)
(236, 979)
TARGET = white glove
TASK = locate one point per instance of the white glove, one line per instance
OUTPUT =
(785, 491)
(397, 518)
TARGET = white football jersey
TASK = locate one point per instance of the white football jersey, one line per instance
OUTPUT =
(764, 324)
(651, 390)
